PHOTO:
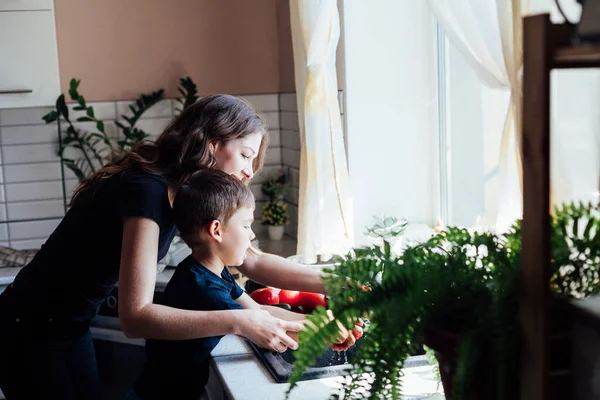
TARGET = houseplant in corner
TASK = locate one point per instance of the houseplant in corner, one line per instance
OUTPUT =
(459, 294)
(274, 212)
(85, 152)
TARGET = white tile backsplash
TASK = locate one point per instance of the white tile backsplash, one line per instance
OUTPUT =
(23, 116)
(289, 120)
(35, 209)
(163, 108)
(290, 157)
(70, 185)
(27, 134)
(30, 153)
(294, 174)
(34, 191)
(153, 126)
(103, 110)
(291, 195)
(263, 102)
(257, 192)
(273, 156)
(272, 120)
(27, 244)
(268, 170)
(32, 229)
(110, 128)
(3, 232)
(32, 172)
(287, 102)
(293, 213)
(274, 138)
(292, 230)
(290, 139)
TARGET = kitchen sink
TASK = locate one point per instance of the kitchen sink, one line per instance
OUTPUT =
(331, 363)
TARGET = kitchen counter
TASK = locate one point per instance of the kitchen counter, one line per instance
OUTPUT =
(284, 247)
(7, 275)
(244, 377)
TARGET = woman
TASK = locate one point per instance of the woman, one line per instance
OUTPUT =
(118, 227)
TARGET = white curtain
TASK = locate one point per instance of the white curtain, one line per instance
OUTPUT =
(324, 216)
(488, 34)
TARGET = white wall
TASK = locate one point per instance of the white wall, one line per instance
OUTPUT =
(390, 109)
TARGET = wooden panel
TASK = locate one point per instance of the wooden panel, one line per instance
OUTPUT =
(536, 206)
(577, 57)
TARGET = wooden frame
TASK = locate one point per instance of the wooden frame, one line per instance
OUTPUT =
(546, 46)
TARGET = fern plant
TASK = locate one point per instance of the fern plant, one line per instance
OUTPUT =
(462, 282)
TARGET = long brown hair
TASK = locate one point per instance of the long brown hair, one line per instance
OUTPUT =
(183, 147)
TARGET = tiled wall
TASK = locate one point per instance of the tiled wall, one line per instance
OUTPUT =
(290, 151)
(31, 191)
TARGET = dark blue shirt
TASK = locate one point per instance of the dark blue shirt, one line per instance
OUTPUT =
(78, 266)
(179, 368)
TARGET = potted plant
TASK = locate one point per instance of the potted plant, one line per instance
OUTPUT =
(274, 216)
(458, 293)
(94, 149)
(274, 212)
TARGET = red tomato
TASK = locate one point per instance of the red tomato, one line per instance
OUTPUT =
(289, 297)
(309, 301)
(266, 296)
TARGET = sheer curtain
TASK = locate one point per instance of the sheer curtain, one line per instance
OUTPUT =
(488, 33)
(324, 206)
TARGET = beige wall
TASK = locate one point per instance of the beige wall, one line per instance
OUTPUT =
(121, 48)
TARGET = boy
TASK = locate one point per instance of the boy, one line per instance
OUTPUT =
(213, 213)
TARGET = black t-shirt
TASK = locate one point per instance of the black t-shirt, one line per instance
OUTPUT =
(78, 266)
(179, 368)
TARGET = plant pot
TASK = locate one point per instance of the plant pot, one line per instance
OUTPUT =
(445, 345)
(276, 232)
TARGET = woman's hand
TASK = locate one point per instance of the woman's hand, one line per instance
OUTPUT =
(268, 332)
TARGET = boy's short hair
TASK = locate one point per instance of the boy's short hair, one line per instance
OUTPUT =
(208, 195)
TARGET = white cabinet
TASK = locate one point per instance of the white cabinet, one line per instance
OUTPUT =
(23, 5)
(28, 58)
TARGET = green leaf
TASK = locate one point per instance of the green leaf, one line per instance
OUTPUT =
(50, 117)
(73, 85)
(85, 119)
(78, 108)
(90, 112)
(100, 126)
(62, 108)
